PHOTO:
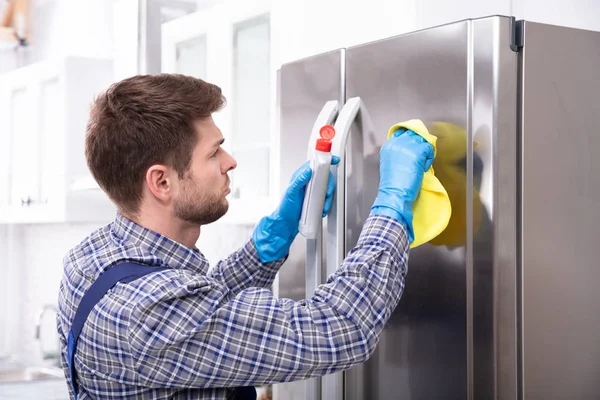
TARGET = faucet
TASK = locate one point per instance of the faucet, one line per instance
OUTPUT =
(54, 356)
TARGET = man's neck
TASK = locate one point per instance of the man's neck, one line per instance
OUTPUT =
(177, 230)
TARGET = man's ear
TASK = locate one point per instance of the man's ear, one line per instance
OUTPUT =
(160, 181)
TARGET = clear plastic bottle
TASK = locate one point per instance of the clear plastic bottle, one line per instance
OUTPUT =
(314, 199)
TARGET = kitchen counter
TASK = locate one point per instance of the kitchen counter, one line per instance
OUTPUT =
(50, 389)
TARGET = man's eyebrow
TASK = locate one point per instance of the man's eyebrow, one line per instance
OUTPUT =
(219, 142)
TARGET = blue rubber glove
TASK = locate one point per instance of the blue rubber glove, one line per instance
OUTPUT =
(403, 160)
(274, 234)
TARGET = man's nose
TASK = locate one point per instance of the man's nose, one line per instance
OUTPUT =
(231, 163)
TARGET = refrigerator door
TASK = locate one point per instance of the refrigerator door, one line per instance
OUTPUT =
(461, 80)
(560, 220)
(305, 88)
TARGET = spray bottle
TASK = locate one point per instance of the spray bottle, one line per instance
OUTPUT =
(314, 199)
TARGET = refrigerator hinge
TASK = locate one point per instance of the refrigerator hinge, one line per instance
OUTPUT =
(516, 34)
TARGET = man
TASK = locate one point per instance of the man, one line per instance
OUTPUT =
(187, 331)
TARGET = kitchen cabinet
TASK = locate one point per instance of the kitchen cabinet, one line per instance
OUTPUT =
(229, 44)
(44, 109)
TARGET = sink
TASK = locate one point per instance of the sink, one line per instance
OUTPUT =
(30, 374)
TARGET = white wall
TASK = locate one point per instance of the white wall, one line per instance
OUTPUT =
(582, 14)
(437, 12)
(306, 27)
(40, 250)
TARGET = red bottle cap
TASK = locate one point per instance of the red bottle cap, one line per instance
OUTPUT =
(323, 145)
(327, 132)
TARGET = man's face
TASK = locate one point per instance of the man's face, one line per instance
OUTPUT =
(201, 197)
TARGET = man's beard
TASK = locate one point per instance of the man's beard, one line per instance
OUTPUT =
(200, 208)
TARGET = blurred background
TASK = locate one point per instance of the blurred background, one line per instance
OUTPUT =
(56, 55)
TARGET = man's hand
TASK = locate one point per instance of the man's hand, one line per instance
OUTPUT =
(274, 234)
(404, 158)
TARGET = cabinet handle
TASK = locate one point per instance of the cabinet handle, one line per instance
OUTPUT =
(28, 201)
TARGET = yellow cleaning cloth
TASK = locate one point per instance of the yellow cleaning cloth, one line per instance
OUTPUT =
(432, 209)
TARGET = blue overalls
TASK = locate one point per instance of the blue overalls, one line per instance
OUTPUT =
(123, 272)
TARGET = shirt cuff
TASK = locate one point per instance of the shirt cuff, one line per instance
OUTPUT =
(385, 231)
(251, 253)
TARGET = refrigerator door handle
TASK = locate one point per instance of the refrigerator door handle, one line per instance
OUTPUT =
(314, 247)
(335, 219)
(333, 385)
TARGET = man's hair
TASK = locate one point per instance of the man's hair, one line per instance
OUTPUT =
(142, 121)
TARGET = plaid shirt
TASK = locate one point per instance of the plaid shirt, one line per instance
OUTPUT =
(190, 331)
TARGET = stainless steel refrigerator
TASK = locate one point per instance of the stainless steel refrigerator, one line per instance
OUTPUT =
(505, 303)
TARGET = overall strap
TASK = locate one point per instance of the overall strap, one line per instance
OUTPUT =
(245, 393)
(124, 272)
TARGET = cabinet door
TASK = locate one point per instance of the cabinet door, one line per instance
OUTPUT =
(190, 57)
(51, 135)
(185, 45)
(44, 108)
(251, 130)
(5, 151)
(229, 45)
(24, 146)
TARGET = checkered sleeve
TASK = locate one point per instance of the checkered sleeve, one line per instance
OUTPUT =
(201, 337)
(243, 269)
